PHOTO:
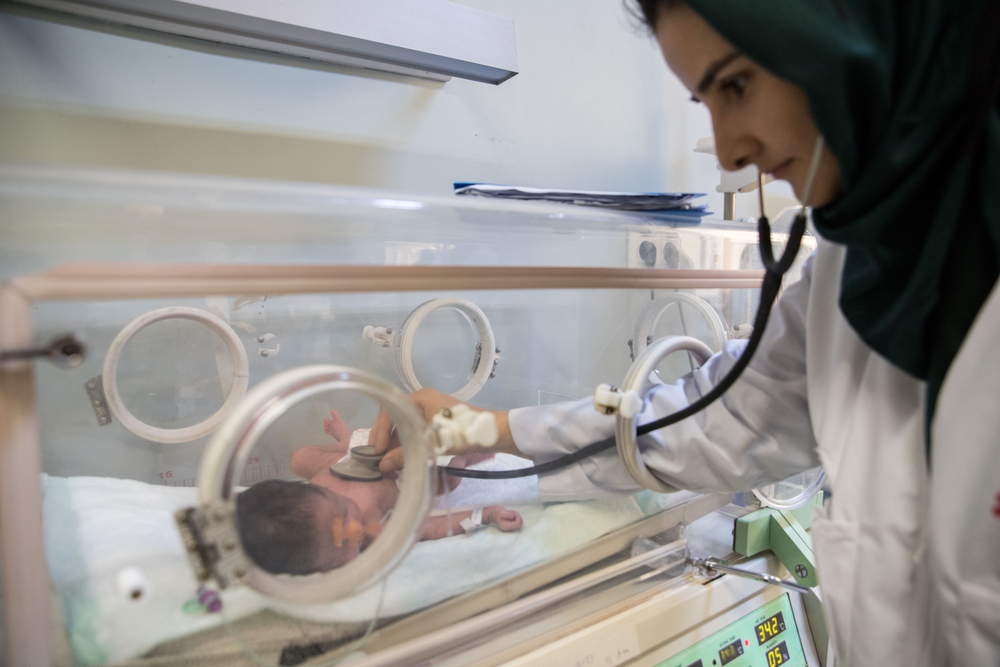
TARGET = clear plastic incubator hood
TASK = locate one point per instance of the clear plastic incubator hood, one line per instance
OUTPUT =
(190, 368)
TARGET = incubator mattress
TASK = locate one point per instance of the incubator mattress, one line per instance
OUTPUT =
(96, 528)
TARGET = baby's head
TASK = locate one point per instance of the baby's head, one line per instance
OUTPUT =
(299, 528)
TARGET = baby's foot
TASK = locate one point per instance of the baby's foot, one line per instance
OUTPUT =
(336, 427)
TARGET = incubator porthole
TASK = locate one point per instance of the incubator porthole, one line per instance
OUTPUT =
(443, 350)
(640, 379)
(677, 314)
(291, 528)
(173, 374)
(447, 355)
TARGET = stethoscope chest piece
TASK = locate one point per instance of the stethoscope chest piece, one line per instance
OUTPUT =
(360, 465)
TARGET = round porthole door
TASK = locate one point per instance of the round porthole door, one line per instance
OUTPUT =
(309, 536)
(677, 314)
(446, 343)
(174, 374)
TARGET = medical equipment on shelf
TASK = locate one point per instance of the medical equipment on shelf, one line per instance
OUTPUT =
(482, 369)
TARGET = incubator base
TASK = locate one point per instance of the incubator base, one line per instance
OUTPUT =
(656, 619)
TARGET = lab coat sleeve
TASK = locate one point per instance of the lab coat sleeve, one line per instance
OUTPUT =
(758, 432)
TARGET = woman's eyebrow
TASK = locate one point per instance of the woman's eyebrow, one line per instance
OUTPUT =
(708, 78)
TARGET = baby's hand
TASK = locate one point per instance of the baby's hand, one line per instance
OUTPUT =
(336, 427)
(504, 519)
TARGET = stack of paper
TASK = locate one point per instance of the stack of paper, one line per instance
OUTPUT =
(676, 205)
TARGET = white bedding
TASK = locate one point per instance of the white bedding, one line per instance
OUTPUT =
(97, 527)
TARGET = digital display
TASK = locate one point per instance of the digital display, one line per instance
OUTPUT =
(777, 655)
(770, 628)
(731, 651)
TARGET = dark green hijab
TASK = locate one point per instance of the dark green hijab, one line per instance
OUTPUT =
(905, 93)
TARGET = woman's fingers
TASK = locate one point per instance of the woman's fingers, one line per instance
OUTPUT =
(383, 435)
(393, 460)
(381, 432)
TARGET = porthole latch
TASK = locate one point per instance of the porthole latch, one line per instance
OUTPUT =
(212, 543)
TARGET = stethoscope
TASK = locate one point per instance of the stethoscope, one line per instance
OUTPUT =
(774, 271)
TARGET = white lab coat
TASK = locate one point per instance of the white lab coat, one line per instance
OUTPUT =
(908, 563)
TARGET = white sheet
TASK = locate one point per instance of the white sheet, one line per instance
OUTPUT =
(96, 527)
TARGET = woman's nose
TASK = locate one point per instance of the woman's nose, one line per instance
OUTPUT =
(734, 148)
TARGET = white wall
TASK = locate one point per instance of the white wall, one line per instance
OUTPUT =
(593, 107)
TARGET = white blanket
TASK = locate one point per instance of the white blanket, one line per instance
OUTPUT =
(96, 528)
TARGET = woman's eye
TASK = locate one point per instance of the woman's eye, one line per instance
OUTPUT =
(736, 84)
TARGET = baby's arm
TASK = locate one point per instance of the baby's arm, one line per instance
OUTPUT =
(308, 461)
(437, 527)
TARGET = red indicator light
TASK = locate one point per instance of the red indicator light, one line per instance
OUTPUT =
(746, 642)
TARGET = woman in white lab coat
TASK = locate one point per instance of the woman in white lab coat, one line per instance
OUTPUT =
(883, 362)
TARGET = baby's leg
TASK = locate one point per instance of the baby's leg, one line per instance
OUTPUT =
(336, 427)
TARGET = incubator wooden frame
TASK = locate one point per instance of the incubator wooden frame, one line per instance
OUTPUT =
(26, 585)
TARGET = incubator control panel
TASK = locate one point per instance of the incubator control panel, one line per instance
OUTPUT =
(767, 637)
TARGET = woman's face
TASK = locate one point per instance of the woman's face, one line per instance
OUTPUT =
(757, 117)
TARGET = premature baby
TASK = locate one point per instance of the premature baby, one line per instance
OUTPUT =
(296, 528)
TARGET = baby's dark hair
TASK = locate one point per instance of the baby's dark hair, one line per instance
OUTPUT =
(648, 11)
(278, 526)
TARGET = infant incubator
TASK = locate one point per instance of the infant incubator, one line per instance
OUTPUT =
(213, 334)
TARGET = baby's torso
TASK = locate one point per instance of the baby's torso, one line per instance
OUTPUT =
(374, 499)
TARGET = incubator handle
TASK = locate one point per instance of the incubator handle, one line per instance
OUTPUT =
(384, 336)
(608, 400)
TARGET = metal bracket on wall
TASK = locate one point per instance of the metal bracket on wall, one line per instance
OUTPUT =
(95, 392)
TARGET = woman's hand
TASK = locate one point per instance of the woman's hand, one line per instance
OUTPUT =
(429, 401)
